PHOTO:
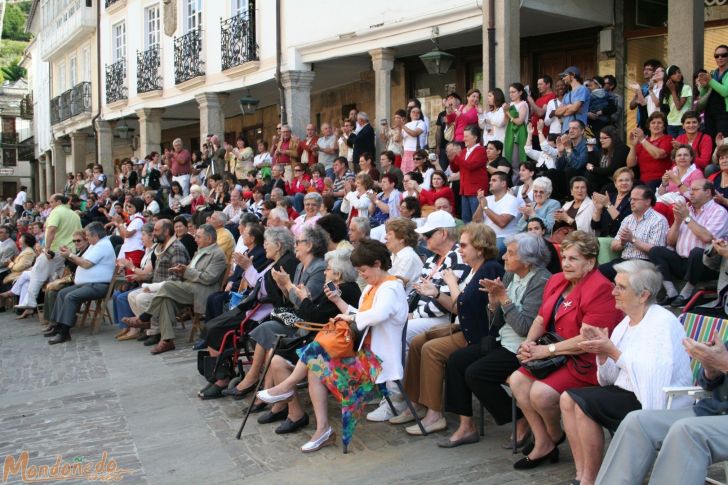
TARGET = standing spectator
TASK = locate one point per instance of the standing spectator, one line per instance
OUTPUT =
(346, 143)
(575, 105)
(179, 162)
(392, 135)
(538, 107)
(493, 122)
(655, 87)
(472, 164)
(695, 227)
(514, 146)
(263, 160)
(451, 103)
(550, 120)
(641, 92)
(151, 172)
(242, 158)
(601, 105)
(617, 118)
(286, 151)
(411, 132)
(327, 149)
(651, 155)
(98, 180)
(716, 111)
(364, 139)
(676, 97)
(465, 115)
(307, 148)
(424, 136)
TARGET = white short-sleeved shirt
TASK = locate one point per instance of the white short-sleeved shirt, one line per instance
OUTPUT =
(508, 204)
(20, 198)
(410, 142)
(103, 257)
(133, 243)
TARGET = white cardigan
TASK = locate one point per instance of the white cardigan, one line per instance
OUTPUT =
(652, 357)
(583, 215)
(386, 320)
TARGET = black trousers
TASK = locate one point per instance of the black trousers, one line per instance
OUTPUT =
(607, 269)
(468, 371)
(215, 305)
(672, 265)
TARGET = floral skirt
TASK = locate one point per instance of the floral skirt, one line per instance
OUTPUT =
(351, 380)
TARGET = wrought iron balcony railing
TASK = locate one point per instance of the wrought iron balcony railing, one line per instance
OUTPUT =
(116, 81)
(148, 70)
(188, 61)
(238, 40)
(26, 106)
(73, 102)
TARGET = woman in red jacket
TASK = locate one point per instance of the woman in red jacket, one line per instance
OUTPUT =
(702, 144)
(439, 189)
(578, 295)
(472, 164)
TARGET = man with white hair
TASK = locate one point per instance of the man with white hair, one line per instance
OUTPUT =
(364, 139)
(327, 149)
(224, 238)
(277, 217)
(359, 229)
(179, 161)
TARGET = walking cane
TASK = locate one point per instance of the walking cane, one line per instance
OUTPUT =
(258, 386)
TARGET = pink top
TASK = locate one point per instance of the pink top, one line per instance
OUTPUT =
(466, 118)
(693, 173)
(713, 217)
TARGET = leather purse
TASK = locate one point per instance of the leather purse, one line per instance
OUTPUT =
(286, 316)
(336, 337)
(541, 368)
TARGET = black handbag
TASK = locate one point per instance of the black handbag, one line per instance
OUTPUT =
(285, 315)
(412, 301)
(543, 367)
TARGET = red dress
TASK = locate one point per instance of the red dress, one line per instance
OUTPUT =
(590, 301)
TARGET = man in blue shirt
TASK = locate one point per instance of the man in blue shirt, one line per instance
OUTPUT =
(576, 100)
(93, 274)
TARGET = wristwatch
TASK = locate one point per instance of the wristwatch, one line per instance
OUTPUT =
(688, 220)
(552, 349)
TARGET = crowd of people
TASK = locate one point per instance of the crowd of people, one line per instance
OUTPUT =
(530, 246)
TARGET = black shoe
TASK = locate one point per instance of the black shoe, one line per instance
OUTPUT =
(680, 301)
(667, 300)
(528, 447)
(289, 426)
(52, 331)
(256, 408)
(271, 417)
(238, 394)
(64, 335)
(142, 337)
(528, 463)
(152, 340)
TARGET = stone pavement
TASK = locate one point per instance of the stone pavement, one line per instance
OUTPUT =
(95, 395)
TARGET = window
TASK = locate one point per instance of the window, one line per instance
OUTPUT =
(151, 26)
(61, 77)
(238, 7)
(86, 64)
(118, 41)
(193, 15)
(73, 71)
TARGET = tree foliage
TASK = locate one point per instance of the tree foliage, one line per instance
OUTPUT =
(14, 23)
(14, 71)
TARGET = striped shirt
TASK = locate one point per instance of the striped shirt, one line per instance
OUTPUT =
(712, 217)
(428, 307)
(651, 229)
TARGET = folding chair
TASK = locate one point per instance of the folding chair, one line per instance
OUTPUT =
(701, 328)
(410, 406)
(198, 317)
(100, 307)
(514, 413)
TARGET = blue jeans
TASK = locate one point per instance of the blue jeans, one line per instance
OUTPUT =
(469, 206)
(298, 202)
(121, 307)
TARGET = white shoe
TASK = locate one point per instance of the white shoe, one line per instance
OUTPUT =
(265, 396)
(384, 412)
(325, 439)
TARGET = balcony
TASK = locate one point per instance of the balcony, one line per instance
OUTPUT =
(67, 28)
(9, 138)
(26, 107)
(116, 81)
(238, 40)
(75, 101)
(188, 61)
(148, 70)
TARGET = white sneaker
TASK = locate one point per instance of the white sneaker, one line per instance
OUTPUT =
(384, 412)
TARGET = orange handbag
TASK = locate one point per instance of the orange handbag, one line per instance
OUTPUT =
(336, 337)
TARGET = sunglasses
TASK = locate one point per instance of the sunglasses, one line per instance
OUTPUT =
(418, 158)
(78, 240)
(428, 235)
(720, 54)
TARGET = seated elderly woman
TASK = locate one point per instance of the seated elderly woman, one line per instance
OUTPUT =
(342, 275)
(578, 295)
(481, 369)
(21, 262)
(580, 208)
(429, 351)
(611, 208)
(643, 355)
(311, 246)
(402, 241)
(542, 206)
(381, 315)
(311, 213)
(278, 245)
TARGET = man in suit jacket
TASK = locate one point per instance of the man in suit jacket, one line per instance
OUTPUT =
(681, 443)
(364, 139)
(200, 279)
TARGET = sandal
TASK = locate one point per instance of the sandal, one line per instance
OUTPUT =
(211, 392)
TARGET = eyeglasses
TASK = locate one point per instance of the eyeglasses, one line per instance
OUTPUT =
(418, 158)
(428, 235)
(78, 240)
(300, 241)
(720, 54)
